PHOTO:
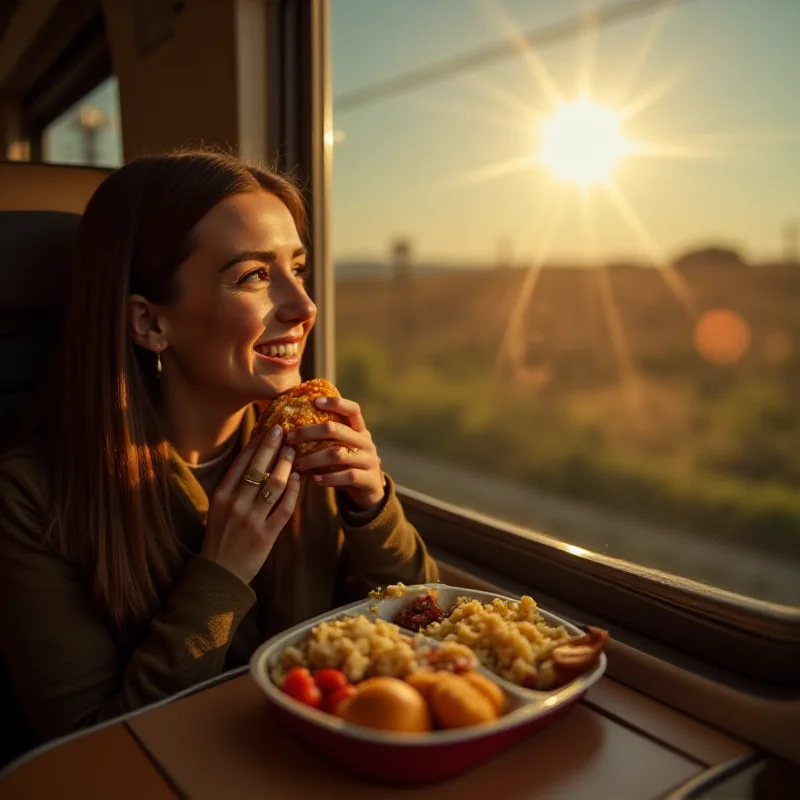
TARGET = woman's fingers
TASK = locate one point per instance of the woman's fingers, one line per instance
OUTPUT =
(270, 492)
(282, 511)
(260, 465)
(356, 478)
(327, 431)
(233, 477)
(249, 509)
(265, 455)
(347, 408)
(338, 457)
(366, 488)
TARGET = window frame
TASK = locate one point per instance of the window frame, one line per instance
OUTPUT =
(701, 628)
(299, 143)
(712, 630)
(83, 64)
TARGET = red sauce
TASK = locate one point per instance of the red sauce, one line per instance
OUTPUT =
(420, 613)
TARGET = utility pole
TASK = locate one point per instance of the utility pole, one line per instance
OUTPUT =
(401, 261)
(791, 242)
(401, 255)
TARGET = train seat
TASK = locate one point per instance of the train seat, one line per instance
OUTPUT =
(40, 207)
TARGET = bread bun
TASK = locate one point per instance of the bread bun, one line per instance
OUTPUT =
(487, 688)
(387, 704)
(456, 703)
(295, 409)
(423, 681)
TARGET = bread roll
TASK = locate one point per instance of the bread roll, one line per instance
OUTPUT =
(456, 703)
(387, 704)
(295, 409)
(487, 688)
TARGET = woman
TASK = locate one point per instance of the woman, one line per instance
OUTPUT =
(135, 559)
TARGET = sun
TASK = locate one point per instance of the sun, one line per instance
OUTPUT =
(583, 142)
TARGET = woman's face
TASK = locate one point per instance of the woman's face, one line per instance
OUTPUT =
(239, 326)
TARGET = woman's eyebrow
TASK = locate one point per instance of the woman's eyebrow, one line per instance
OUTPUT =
(264, 256)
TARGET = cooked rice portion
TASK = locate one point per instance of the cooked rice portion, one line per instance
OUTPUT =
(363, 648)
(395, 590)
(510, 638)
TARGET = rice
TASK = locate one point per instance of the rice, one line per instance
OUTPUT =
(362, 648)
(395, 590)
(509, 638)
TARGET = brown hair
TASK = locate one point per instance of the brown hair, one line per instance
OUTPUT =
(109, 459)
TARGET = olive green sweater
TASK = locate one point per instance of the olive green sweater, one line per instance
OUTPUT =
(69, 667)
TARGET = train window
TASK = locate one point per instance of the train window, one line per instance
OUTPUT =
(565, 240)
(89, 132)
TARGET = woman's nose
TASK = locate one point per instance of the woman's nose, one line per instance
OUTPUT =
(294, 305)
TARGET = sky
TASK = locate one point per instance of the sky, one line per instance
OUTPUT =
(728, 115)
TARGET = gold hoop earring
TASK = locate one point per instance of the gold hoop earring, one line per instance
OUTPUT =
(158, 362)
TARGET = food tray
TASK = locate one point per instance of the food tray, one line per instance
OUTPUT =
(397, 758)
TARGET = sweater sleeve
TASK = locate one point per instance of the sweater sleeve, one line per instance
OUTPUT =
(384, 549)
(67, 668)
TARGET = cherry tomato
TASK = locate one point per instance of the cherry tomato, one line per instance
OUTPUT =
(331, 702)
(329, 680)
(299, 684)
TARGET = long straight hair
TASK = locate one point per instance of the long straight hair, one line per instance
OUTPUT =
(109, 462)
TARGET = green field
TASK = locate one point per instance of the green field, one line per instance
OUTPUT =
(602, 394)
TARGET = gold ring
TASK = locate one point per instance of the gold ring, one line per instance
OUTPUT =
(255, 476)
(354, 450)
(266, 495)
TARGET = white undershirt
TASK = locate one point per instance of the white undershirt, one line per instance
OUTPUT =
(221, 457)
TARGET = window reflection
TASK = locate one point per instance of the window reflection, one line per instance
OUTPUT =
(88, 133)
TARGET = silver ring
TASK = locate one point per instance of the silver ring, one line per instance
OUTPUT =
(265, 496)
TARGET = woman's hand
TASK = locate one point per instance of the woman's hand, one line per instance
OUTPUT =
(354, 467)
(244, 519)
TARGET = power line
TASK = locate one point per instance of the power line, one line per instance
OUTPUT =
(550, 34)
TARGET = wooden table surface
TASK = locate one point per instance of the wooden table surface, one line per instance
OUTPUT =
(105, 763)
(223, 743)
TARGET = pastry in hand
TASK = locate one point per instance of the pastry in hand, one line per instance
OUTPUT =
(295, 409)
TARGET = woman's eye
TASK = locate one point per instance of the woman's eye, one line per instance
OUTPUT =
(260, 274)
(300, 272)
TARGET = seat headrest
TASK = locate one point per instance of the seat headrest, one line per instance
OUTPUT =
(35, 253)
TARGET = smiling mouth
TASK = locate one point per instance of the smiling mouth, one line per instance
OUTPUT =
(286, 350)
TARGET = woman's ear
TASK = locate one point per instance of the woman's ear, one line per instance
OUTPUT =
(144, 323)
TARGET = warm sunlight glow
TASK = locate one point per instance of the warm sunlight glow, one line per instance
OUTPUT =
(583, 142)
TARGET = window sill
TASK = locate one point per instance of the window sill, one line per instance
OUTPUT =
(696, 621)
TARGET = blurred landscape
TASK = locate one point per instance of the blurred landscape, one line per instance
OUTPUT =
(672, 397)
(568, 279)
